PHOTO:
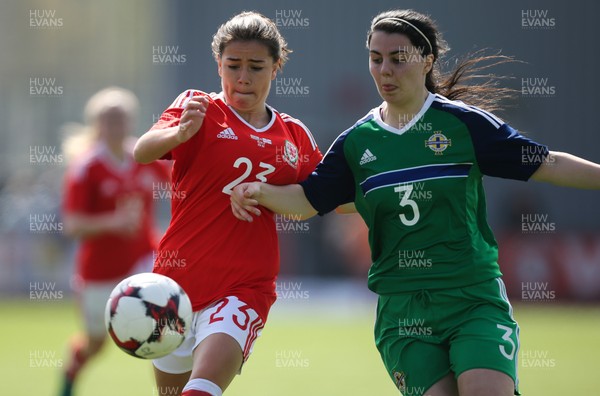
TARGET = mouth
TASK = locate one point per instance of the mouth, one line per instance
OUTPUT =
(388, 87)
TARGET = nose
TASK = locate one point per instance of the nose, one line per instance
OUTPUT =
(386, 68)
(244, 76)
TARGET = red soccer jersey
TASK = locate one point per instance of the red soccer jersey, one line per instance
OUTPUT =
(209, 252)
(94, 185)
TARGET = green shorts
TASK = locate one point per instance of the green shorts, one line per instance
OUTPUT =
(423, 336)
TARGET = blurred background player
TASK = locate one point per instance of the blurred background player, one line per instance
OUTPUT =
(444, 324)
(108, 208)
(217, 140)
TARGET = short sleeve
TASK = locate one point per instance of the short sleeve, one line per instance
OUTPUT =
(79, 190)
(171, 117)
(332, 183)
(500, 150)
(504, 152)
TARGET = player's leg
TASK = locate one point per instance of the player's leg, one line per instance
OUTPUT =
(487, 382)
(170, 384)
(83, 347)
(444, 387)
(224, 338)
(416, 359)
(172, 372)
(217, 360)
(485, 349)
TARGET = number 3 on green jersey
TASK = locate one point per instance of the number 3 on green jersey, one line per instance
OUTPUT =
(405, 190)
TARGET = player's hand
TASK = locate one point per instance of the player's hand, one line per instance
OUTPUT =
(244, 201)
(192, 117)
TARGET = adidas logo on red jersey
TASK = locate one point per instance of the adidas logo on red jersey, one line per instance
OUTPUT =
(227, 134)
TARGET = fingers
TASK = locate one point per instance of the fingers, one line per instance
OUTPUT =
(194, 107)
(197, 103)
(194, 111)
(243, 203)
(240, 213)
(245, 209)
(251, 208)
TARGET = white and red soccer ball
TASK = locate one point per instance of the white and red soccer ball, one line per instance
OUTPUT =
(148, 315)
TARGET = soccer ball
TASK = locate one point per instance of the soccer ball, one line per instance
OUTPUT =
(148, 315)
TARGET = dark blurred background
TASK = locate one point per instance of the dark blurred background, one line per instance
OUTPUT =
(56, 54)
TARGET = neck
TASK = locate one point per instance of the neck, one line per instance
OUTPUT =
(398, 115)
(257, 118)
(116, 150)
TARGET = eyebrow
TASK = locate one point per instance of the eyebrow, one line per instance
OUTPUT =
(390, 53)
(234, 59)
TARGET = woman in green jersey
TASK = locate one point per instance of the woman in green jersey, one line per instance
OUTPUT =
(444, 325)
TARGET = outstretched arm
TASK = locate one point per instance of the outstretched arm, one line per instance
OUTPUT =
(288, 199)
(567, 170)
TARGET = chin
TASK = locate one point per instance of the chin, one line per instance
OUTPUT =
(243, 104)
(387, 96)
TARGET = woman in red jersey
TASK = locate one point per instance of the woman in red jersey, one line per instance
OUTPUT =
(108, 208)
(218, 140)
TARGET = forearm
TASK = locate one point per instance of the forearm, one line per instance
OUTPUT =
(288, 199)
(86, 226)
(346, 208)
(567, 170)
(155, 144)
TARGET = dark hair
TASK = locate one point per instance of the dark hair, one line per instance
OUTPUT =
(250, 26)
(457, 84)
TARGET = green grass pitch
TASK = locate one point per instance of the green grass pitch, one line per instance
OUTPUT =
(300, 353)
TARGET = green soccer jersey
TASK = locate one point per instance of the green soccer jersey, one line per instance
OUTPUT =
(419, 190)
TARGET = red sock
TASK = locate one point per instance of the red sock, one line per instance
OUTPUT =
(194, 392)
(78, 359)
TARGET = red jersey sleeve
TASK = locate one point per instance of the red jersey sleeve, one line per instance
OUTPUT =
(309, 152)
(171, 117)
(78, 189)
